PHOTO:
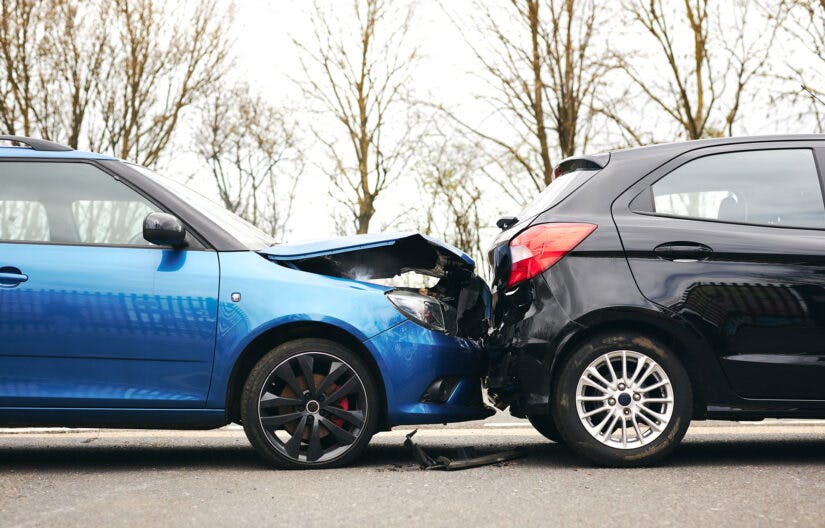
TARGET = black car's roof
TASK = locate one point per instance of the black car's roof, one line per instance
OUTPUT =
(679, 147)
(625, 167)
(647, 157)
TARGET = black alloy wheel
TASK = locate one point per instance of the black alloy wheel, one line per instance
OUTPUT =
(310, 403)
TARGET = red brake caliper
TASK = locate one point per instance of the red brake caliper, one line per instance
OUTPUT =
(344, 404)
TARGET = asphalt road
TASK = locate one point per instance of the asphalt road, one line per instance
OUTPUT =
(722, 475)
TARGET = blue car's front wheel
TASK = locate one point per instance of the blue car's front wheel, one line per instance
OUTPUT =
(310, 403)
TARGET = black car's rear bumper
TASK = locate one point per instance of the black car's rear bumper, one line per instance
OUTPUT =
(532, 329)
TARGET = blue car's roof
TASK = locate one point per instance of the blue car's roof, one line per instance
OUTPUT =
(26, 152)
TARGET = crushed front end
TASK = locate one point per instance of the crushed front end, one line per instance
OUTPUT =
(431, 363)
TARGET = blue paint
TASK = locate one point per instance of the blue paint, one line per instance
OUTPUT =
(107, 326)
(274, 295)
(412, 357)
(149, 337)
(101, 327)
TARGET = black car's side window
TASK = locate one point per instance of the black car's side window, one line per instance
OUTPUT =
(74, 203)
(767, 187)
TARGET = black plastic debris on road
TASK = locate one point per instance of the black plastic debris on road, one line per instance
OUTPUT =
(465, 457)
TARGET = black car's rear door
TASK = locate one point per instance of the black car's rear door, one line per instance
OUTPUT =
(733, 240)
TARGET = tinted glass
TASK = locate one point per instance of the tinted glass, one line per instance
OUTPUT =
(69, 203)
(770, 187)
(558, 189)
(23, 220)
(244, 232)
(114, 221)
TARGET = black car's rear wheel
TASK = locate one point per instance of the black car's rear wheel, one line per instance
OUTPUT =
(544, 424)
(310, 403)
(622, 400)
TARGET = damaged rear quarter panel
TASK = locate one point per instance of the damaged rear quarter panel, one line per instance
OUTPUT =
(273, 295)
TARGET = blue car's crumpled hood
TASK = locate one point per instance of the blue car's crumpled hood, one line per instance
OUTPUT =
(374, 256)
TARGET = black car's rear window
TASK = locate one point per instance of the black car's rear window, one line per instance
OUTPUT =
(559, 189)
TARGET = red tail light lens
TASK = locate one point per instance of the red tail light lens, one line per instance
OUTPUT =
(539, 247)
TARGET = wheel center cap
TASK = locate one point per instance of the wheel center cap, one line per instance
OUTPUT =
(313, 407)
(624, 399)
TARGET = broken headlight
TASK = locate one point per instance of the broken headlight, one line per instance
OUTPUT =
(423, 310)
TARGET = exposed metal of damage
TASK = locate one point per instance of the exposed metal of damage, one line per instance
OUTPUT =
(465, 296)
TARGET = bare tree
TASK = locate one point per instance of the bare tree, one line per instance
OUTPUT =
(18, 34)
(805, 25)
(544, 69)
(164, 62)
(708, 58)
(118, 72)
(356, 71)
(254, 157)
(50, 64)
(451, 193)
(71, 53)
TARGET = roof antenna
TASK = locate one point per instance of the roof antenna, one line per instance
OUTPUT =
(813, 95)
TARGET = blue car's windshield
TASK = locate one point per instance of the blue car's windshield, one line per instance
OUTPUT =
(246, 233)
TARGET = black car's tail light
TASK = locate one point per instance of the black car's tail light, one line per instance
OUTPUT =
(538, 247)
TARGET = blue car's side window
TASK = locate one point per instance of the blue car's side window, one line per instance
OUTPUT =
(69, 203)
(23, 220)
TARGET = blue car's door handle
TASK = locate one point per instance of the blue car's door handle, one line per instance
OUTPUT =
(11, 277)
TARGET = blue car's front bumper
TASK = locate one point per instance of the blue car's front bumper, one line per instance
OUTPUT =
(411, 358)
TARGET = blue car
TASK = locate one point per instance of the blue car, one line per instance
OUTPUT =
(128, 300)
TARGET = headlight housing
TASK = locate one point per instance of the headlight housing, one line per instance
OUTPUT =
(423, 310)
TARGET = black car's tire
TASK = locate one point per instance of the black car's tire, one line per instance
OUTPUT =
(544, 424)
(310, 403)
(644, 423)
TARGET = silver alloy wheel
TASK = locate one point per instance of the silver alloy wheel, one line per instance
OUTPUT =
(624, 399)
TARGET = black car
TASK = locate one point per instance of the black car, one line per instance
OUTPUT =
(649, 287)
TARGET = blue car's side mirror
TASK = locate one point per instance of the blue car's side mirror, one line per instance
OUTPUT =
(163, 229)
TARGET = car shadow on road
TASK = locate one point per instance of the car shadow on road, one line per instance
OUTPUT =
(128, 458)
(704, 453)
(754, 452)
(383, 457)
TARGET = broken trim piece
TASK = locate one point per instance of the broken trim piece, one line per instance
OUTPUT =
(464, 460)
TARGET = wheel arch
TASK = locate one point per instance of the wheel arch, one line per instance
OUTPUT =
(291, 331)
(691, 349)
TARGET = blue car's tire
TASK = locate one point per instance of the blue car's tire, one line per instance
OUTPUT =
(310, 403)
